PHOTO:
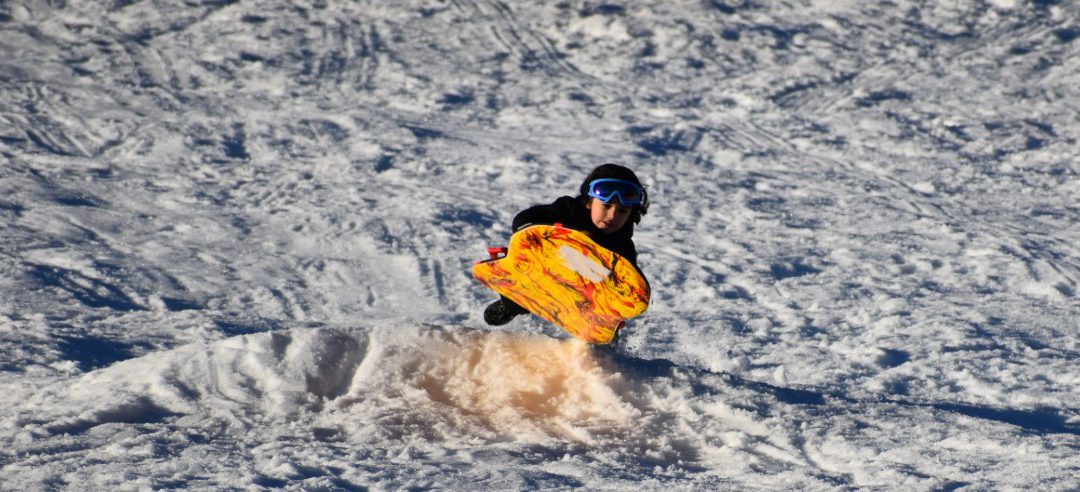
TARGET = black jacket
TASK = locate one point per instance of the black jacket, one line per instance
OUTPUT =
(572, 214)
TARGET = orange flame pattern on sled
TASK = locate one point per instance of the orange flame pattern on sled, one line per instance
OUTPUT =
(564, 277)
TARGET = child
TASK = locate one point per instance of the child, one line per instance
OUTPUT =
(611, 200)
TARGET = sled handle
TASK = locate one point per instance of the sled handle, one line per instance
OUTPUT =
(497, 252)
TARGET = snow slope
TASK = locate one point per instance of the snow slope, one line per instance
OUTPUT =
(235, 239)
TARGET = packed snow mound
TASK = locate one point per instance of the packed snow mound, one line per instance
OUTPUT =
(521, 387)
(456, 392)
(242, 379)
(429, 384)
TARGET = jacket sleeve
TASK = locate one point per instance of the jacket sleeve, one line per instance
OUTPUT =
(629, 252)
(561, 211)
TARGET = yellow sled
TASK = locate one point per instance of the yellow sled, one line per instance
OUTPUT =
(564, 277)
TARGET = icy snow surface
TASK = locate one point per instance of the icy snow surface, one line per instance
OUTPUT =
(235, 241)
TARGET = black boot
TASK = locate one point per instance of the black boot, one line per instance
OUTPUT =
(502, 311)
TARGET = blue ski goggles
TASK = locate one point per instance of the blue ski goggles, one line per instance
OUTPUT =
(628, 192)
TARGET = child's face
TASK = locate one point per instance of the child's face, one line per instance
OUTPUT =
(609, 217)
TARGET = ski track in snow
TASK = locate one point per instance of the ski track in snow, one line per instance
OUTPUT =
(235, 240)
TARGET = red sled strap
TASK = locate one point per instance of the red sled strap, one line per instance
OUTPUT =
(497, 252)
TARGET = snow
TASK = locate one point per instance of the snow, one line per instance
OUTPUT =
(235, 243)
